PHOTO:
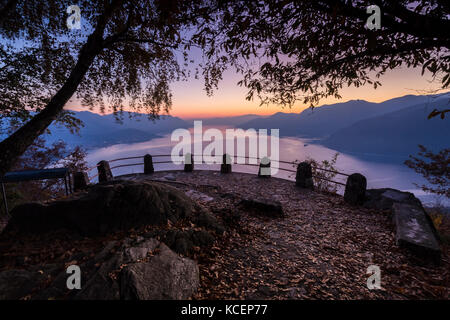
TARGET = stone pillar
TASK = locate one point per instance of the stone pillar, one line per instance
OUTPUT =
(225, 167)
(303, 178)
(355, 189)
(148, 164)
(264, 168)
(188, 162)
(104, 171)
(80, 180)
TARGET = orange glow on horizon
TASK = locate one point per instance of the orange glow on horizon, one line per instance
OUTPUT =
(191, 102)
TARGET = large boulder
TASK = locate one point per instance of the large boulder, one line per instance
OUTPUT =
(164, 276)
(263, 207)
(104, 208)
(384, 199)
(184, 241)
(143, 269)
(17, 284)
(414, 231)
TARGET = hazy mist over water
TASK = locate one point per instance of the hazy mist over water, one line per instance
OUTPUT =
(379, 173)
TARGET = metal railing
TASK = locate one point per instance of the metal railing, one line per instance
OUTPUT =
(293, 163)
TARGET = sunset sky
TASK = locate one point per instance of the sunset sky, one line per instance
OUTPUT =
(191, 102)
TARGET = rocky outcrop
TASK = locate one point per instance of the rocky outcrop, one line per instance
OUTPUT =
(105, 208)
(17, 284)
(143, 269)
(183, 241)
(135, 265)
(164, 276)
(413, 231)
(413, 227)
(384, 199)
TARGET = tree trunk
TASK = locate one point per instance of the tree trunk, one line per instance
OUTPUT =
(15, 145)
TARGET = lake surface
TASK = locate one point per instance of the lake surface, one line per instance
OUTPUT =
(379, 174)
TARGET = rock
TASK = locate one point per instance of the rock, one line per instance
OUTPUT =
(413, 227)
(383, 199)
(355, 189)
(196, 195)
(263, 207)
(105, 208)
(208, 221)
(17, 284)
(413, 231)
(101, 286)
(142, 269)
(183, 245)
(303, 177)
(183, 242)
(202, 238)
(170, 177)
(141, 250)
(164, 276)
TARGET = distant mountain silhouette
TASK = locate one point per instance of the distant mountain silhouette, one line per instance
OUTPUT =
(230, 121)
(323, 121)
(393, 127)
(105, 130)
(395, 133)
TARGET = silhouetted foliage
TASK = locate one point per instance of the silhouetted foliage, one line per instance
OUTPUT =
(435, 167)
(310, 49)
(127, 52)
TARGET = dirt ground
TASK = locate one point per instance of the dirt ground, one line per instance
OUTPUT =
(321, 249)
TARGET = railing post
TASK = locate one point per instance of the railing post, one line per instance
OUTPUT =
(225, 167)
(264, 168)
(188, 162)
(303, 178)
(355, 189)
(148, 164)
(80, 180)
(104, 171)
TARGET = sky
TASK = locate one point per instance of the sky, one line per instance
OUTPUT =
(191, 102)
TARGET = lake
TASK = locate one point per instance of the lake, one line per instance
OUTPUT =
(379, 173)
